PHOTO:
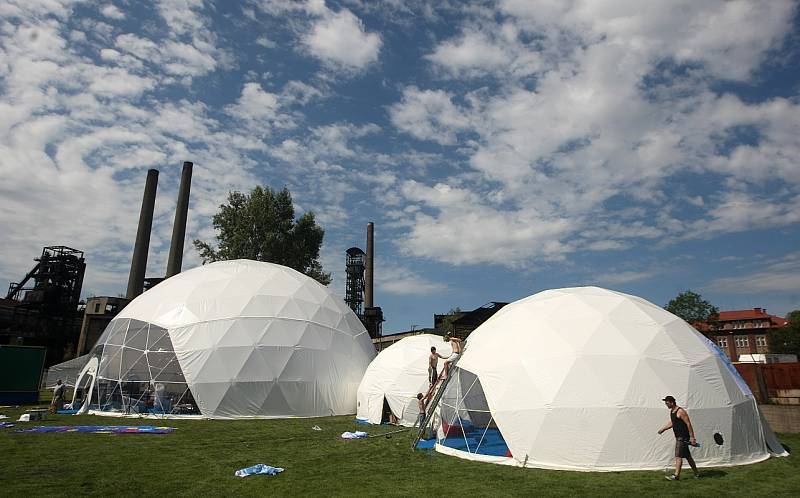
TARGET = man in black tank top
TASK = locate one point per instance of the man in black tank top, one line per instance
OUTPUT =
(684, 436)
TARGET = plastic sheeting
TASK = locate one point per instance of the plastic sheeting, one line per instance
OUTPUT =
(235, 339)
(398, 374)
(67, 371)
(573, 379)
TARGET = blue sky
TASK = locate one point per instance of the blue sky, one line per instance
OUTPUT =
(501, 148)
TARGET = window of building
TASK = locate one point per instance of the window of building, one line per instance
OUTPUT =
(722, 342)
(761, 340)
(97, 307)
(742, 342)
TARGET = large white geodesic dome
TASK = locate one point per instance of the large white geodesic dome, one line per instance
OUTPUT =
(574, 379)
(232, 339)
(397, 375)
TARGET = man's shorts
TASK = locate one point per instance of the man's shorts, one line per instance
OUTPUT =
(682, 448)
(432, 375)
(453, 357)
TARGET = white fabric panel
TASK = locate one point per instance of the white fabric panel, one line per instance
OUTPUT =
(68, 371)
(255, 340)
(574, 380)
(398, 373)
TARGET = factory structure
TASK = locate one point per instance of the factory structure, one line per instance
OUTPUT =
(44, 307)
(359, 288)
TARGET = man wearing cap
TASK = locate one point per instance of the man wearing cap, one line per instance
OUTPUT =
(684, 436)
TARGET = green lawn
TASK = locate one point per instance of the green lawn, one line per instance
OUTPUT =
(199, 459)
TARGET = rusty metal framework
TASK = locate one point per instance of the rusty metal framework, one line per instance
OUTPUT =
(55, 281)
(44, 304)
(354, 292)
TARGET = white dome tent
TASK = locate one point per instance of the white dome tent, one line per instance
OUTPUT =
(573, 379)
(232, 339)
(397, 375)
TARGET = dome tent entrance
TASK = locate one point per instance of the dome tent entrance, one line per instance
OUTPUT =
(233, 339)
(395, 377)
(573, 379)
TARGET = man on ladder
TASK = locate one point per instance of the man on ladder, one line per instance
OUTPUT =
(455, 343)
(437, 389)
(433, 366)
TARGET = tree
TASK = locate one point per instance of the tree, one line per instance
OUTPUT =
(261, 226)
(692, 307)
(451, 316)
(786, 340)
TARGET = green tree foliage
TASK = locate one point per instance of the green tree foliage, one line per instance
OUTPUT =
(452, 315)
(692, 307)
(261, 226)
(786, 340)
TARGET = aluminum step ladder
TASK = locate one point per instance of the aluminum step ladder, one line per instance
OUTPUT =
(440, 386)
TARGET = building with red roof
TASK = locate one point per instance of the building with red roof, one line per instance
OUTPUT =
(738, 332)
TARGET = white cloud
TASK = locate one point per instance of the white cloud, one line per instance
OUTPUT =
(118, 82)
(609, 117)
(738, 211)
(778, 276)
(623, 277)
(340, 40)
(112, 12)
(729, 38)
(334, 140)
(187, 59)
(301, 93)
(94, 127)
(255, 103)
(472, 51)
(109, 54)
(266, 42)
(400, 280)
(507, 237)
(429, 115)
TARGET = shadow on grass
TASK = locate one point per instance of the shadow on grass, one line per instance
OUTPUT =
(712, 474)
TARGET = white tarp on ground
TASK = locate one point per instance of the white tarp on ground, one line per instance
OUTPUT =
(67, 371)
(574, 379)
(238, 339)
(398, 374)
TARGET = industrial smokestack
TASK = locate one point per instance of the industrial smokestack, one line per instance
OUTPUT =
(368, 273)
(175, 259)
(142, 245)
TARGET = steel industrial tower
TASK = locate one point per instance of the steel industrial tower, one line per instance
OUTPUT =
(354, 293)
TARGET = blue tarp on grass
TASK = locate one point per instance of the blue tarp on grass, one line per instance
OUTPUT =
(492, 443)
(100, 429)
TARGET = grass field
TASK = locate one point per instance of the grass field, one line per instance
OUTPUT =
(200, 457)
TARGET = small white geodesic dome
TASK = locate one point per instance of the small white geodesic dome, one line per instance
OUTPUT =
(397, 375)
(574, 379)
(233, 339)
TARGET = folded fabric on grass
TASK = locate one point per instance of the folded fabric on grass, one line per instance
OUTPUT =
(354, 435)
(101, 429)
(67, 412)
(259, 468)
(3, 425)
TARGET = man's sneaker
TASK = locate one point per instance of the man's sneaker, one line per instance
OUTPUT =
(673, 477)
(698, 475)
